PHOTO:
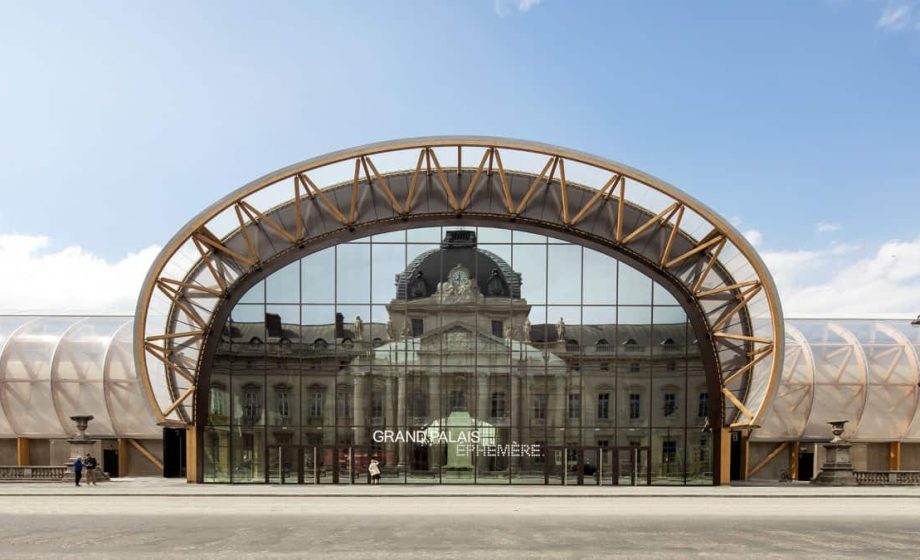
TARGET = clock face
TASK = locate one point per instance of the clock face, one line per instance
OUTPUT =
(459, 276)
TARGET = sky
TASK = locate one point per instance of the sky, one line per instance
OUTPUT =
(798, 121)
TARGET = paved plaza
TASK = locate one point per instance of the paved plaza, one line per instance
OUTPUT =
(169, 519)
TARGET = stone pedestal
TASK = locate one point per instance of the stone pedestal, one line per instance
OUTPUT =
(837, 469)
(79, 447)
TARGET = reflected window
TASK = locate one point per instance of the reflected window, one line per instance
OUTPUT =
(343, 402)
(498, 329)
(602, 345)
(217, 399)
(418, 403)
(603, 406)
(418, 327)
(703, 450)
(498, 404)
(377, 405)
(671, 366)
(252, 403)
(540, 401)
(282, 397)
(634, 367)
(668, 454)
(670, 404)
(635, 406)
(574, 405)
(320, 344)
(702, 405)
(317, 400)
(456, 400)
(538, 458)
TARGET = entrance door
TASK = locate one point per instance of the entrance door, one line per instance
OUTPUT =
(554, 465)
(110, 462)
(590, 468)
(284, 464)
(173, 453)
(806, 462)
(632, 466)
(579, 465)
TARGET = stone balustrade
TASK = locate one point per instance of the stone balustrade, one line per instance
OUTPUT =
(32, 473)
(887, 478)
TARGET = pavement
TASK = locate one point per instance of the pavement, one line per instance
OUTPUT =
(157, 518)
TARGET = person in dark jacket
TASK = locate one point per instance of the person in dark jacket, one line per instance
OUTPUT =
(78, 469)
(89, 463)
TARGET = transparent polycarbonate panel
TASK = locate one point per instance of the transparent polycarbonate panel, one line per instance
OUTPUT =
(588, 175)
(271, 196)
(527, 162)
(892, 388)
(789, 410)
(840, 377)
(127, 400)
(78, 371)
(9, 326)
(27, 392)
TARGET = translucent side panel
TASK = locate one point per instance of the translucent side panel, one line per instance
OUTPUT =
(790, 408)
(865, 372)
(28, 399)
(52, 368)
(9, 326)
(78, 370)
(892, 384)
(124, 390)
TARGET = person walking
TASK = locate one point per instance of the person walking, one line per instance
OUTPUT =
(90, 464)
(78, 469)
(374, 470)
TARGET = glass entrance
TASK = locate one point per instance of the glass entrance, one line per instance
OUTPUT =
(632, 466)
(283, 465)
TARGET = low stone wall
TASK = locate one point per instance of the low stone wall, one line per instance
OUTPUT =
(887, 478)
(32, 474)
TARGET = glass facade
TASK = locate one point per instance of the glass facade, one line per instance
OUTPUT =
(458, 356)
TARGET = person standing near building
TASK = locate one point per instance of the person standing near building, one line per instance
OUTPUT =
(374, 470)
(90, 464)
(78, 469)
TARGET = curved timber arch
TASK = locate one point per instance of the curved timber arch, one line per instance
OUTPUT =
(722, 283)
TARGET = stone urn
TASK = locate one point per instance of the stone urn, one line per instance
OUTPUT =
(80, 446)
(837, 469)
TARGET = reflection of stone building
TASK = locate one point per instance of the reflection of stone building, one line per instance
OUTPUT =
(459, 342)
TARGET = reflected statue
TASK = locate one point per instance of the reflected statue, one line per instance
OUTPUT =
(525, 335)
(359, 329)
(391, 332)
(419, 287)
(407, 328)
(509, 331)
(560, 330)
(496, 284)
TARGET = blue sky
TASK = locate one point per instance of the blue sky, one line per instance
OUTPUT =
(119, 121)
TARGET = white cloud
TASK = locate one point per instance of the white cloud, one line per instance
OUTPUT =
(827, 227)
(844, 280)
(67, 281)
(753, 236)
(895, 17)
(837, 280)
(504, 7)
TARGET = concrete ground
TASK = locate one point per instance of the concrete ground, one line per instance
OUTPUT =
(168, 519)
